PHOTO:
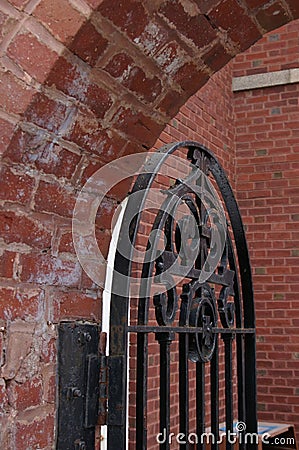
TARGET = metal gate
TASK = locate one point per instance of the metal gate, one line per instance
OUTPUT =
(213, 302)
(188, 295)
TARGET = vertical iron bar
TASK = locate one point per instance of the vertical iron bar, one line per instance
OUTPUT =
(200, 403)
(141, 391)
(214, 380)
(165, 340)
(241, 388)
(250, 388)
(184, 387)
(229, 408)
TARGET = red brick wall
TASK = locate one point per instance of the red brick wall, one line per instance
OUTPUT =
(267, 150)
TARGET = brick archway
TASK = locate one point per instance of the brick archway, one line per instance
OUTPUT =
(81, 83)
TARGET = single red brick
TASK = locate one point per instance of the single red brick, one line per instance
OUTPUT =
(88, 44)
(38, 433)
(143, 128)
(98, 100)
(7, 260)
(272, 17)
(60, 18)
(6, 133)
(22, 229)
(25, 395)
(153, 38)
(76, 305)
(171, 102)
(52, 197)
(216, 57)
(15, 96)
(46, 113)
(66, 244)
(190, 78)
(88, 134)
(21, 305)
(36, 151)
(146, 88)
(105, 214)
(171, 57)
(229, 15)
(118, 65)
(36, 58)
(15, 187)
(131, 16)
(188, 25)
(44, 269)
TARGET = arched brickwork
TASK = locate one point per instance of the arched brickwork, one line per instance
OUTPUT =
(83, 82)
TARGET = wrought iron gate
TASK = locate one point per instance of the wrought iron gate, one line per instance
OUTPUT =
(212, 306)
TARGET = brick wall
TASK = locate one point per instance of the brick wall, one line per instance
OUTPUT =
(267, 144)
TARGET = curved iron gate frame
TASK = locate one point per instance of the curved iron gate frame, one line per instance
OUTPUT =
(119, 326)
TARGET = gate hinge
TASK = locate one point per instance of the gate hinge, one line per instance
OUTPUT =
(103, 390)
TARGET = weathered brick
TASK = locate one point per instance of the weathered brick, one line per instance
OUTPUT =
(33, 56)
(98, 100)
(190, 78)
(188, 25)
(171, 57)
(7, 260)
(34, 150)
(272, 17)
(15, 187)
(88, 134)
(52, 197)
(6, 133)
(15, 95)
(88, 44)
(35, 433)
(25, 395)
(137, 125)
(217, 57)
(46, 112)
(47, 270)
(131, 16)
(60, 18)
(76, 305)
(229, 15)
(21, 229)
(22, 305)
(153, 38)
